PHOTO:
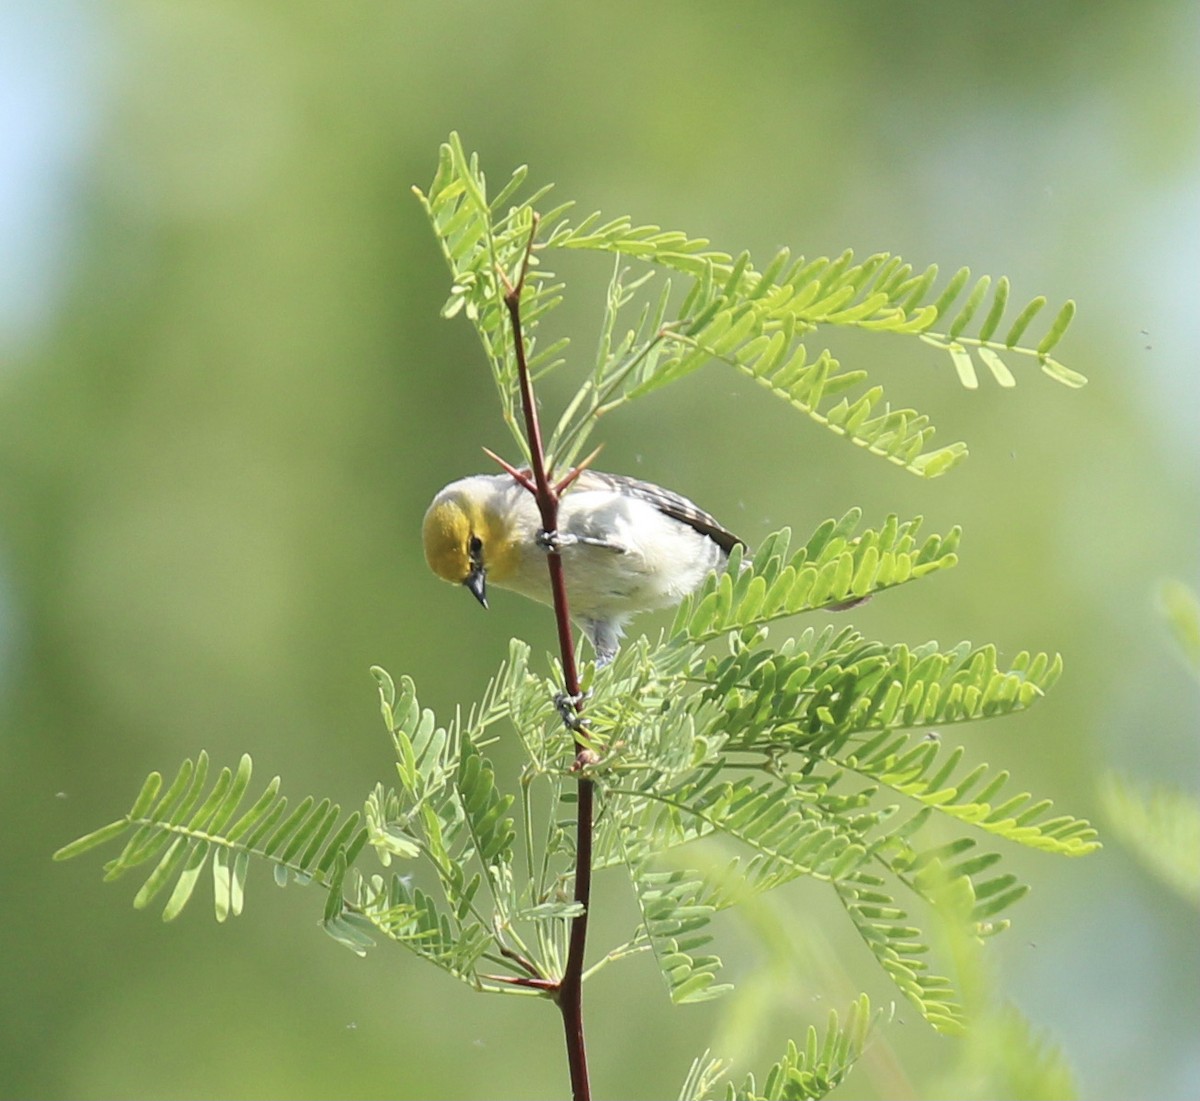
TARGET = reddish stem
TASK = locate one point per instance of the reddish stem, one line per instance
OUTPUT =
(569, 993)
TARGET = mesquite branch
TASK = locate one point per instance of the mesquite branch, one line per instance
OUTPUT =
(569, 992)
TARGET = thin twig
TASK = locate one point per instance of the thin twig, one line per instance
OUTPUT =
(545, 986)
(568, 993)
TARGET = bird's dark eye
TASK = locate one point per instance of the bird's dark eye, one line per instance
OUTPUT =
(475, 548)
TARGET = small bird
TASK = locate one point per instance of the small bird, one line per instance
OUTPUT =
(627, 546)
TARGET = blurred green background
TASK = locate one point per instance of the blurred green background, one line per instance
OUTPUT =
(226, 398)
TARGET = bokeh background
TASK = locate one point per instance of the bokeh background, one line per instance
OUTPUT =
(226, 397)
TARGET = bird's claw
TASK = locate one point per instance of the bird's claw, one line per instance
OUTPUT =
(554, 542)
(567, 707)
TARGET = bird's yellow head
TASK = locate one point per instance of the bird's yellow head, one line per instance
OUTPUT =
(466, 538)
(453, 544)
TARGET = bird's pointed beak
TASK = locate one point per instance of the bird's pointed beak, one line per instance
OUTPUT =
(477, 582)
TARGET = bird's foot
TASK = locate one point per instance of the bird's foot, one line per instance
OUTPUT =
(554, 542)
(567, 707)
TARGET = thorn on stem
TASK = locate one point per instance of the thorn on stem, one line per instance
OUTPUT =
(577, 470)
(519, 476)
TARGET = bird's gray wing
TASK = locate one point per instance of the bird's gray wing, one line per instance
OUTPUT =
(668, 503)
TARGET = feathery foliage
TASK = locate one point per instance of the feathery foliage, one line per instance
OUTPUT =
(836, 724)
(1162, 829)
(822, 1064)
(1161, 826)
(724, 765)
(765, 323)
(1005, 1056)
(190, 826)
(1180, 608)
(802, 1074)
(833, 569)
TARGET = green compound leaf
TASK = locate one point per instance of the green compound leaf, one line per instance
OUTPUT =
(814, 1071)
(768, 324)
(185, 828)
(836, 568)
